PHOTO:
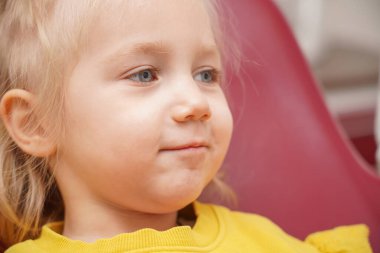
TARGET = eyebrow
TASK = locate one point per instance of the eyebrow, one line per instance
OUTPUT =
(207, 50)
(158, 48)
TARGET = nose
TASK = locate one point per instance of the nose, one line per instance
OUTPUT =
(192, 103)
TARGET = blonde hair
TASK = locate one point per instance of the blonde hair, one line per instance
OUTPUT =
(217, 190)
(35, 49)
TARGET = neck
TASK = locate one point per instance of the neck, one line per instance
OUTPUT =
(97, 222)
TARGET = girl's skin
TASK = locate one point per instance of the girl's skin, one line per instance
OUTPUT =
(147, 123)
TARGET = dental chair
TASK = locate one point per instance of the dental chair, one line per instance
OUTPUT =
(289, 159)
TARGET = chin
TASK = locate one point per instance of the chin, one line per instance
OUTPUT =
(175, 199)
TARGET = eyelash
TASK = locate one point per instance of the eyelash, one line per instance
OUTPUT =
(154, 74)
(215, 75)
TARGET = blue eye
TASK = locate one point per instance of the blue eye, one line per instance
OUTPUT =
(207, 76)
(144, 76)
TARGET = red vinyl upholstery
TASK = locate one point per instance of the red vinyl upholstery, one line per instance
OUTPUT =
(288, 159)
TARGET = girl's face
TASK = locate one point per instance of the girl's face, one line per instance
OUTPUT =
(147, 123)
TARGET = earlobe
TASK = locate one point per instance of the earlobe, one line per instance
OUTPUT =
(23, 125)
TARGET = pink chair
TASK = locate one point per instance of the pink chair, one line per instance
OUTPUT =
(288, 159)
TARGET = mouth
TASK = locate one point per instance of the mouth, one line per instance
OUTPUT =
(187, 147)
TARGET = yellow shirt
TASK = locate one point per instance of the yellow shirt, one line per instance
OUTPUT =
(217, 229)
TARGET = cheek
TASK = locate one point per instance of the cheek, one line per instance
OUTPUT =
(115, 135)
(223, 123)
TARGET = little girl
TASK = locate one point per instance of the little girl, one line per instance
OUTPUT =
(114, 121)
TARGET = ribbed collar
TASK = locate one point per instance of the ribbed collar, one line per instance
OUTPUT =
(206, 234)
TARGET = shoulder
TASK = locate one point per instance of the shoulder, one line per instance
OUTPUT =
(256, 233)
(242, 220)
(347, 239)
(24, 247)
(342, 239)
(43, 244)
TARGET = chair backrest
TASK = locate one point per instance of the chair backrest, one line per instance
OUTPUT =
(289, 160)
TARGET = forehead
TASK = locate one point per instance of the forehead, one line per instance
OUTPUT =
(169, 10)
(138, 21)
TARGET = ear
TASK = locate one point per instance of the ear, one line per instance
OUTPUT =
(23, 125)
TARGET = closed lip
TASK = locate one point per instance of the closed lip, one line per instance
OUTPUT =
(192, 145)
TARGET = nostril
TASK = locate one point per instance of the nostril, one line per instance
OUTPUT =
(206, 116)
(195, 117)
